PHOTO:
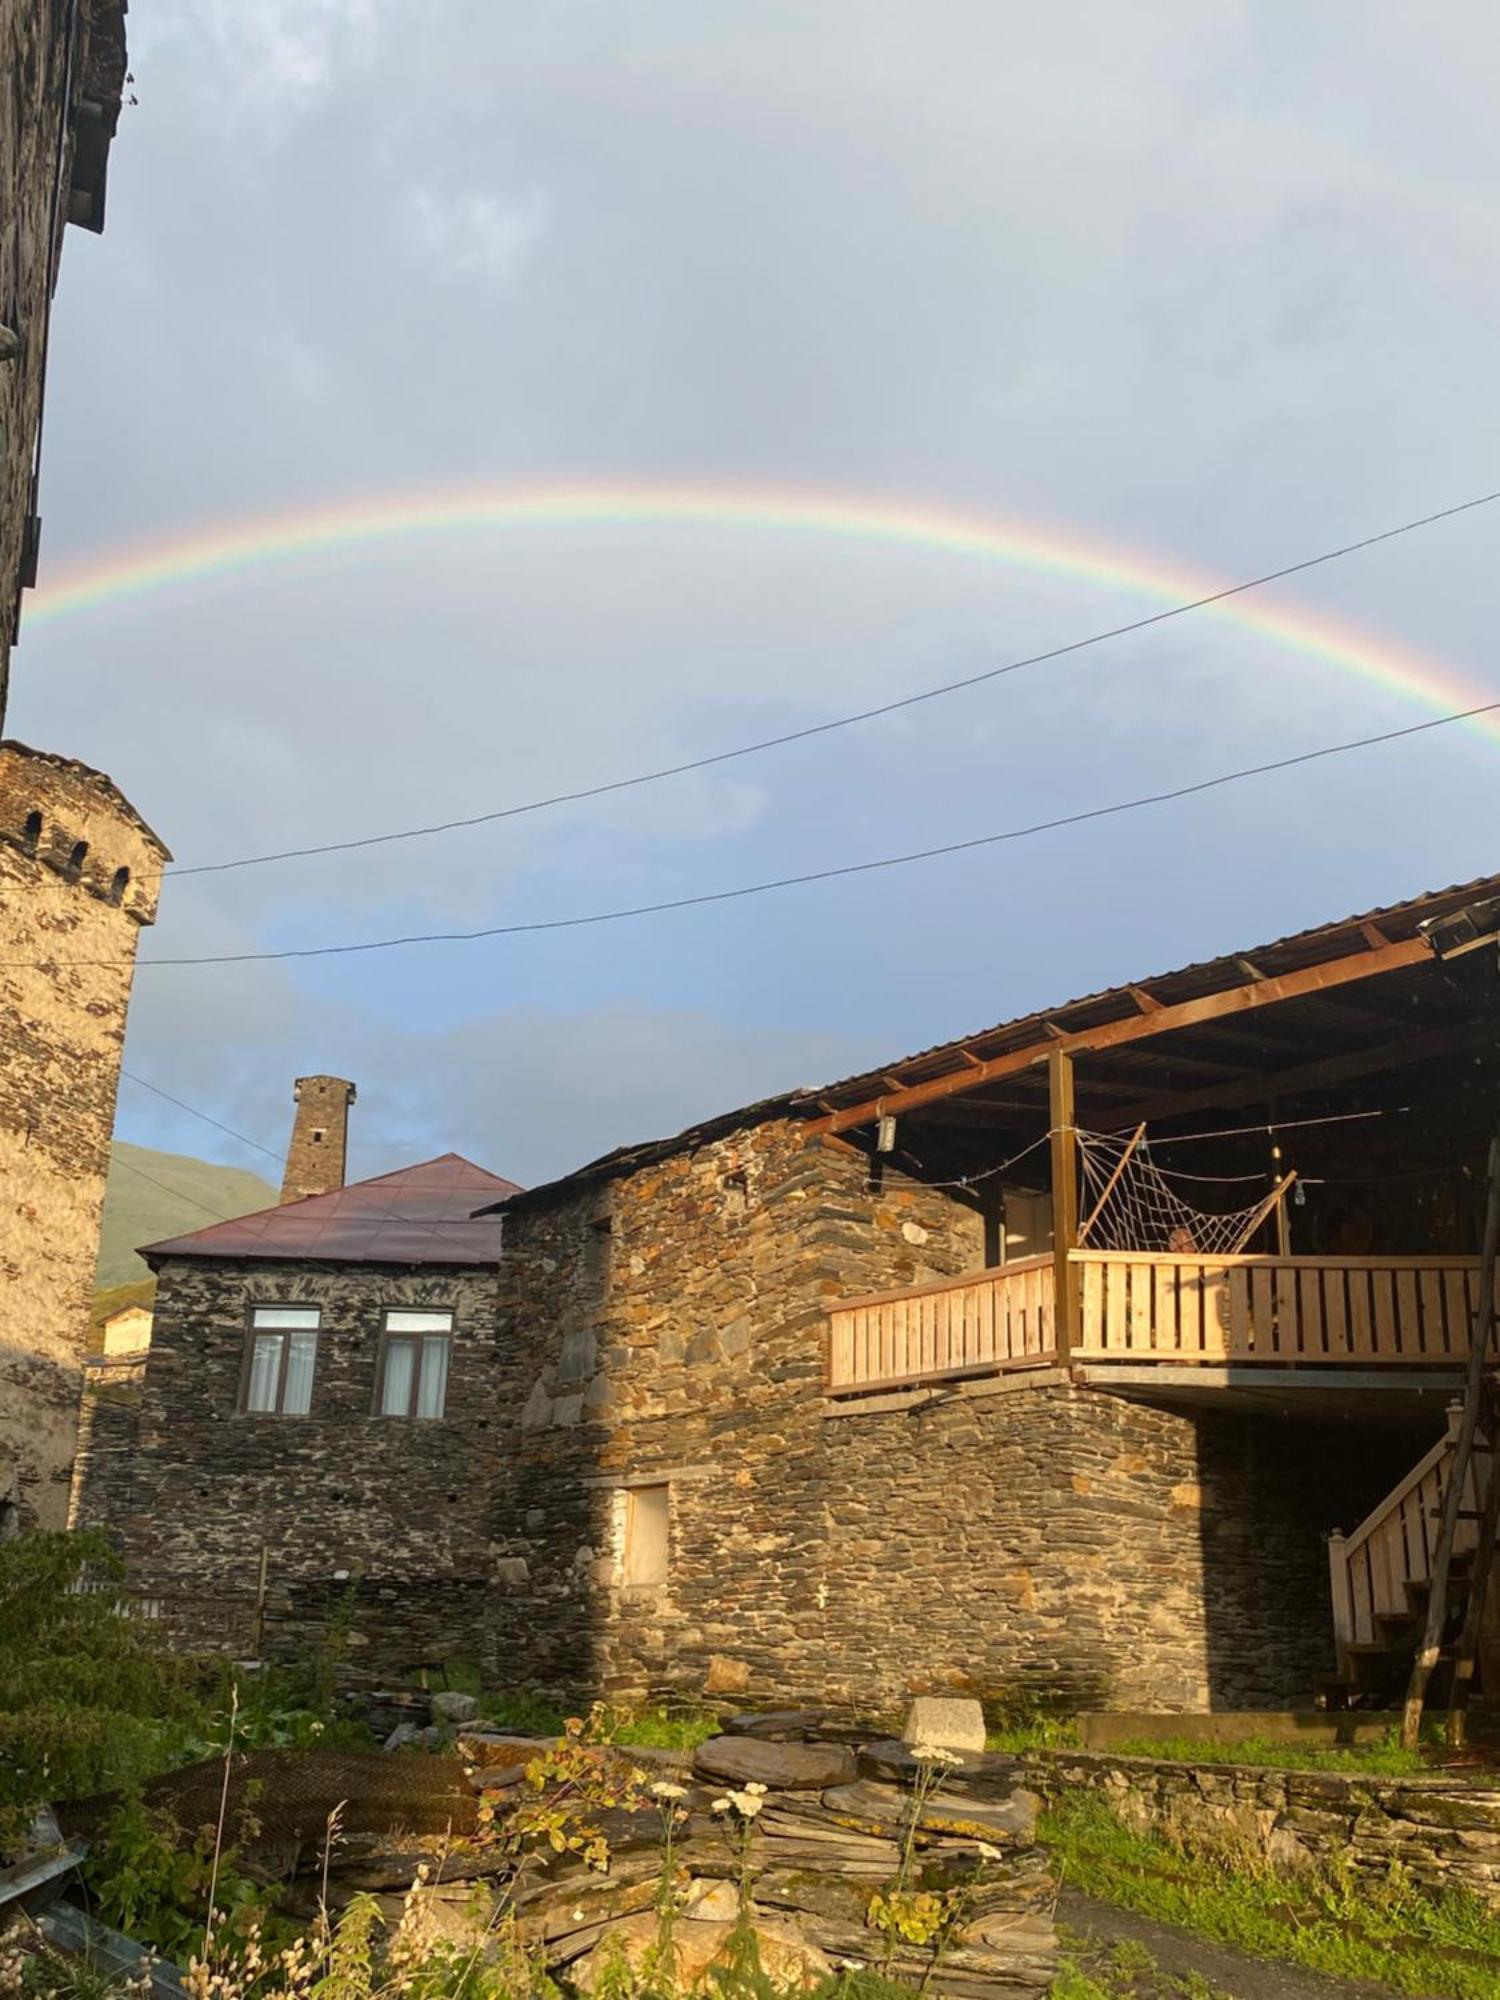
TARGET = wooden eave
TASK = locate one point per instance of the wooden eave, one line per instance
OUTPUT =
(1221, 1014)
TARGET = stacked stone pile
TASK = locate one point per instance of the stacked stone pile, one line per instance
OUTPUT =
(829, 1821)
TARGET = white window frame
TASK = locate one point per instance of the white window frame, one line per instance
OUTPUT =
(428, 1330)
(274, 1328)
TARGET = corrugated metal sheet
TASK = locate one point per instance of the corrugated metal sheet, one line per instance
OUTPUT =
(419, 1215)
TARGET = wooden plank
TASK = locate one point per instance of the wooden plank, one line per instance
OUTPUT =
(1190, 1309)
(1093, 1303)
(1310, 1315)
(1408, 1312)
(1383, 1296)
(1458, 1313)
(1239, 1314)
(1361, 1313)
(904, 1292)
(1116, 1304)
(1335, 1313)
(1164, 1341)
(1430, 1290)
(1263, 1328)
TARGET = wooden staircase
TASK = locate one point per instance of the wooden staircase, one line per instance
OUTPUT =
(1379, 1576)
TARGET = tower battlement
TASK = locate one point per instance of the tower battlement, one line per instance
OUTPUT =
(80, 873)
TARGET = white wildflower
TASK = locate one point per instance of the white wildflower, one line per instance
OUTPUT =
(719, 1806)
(755, 1788)
(665, 1789)
(988, 1852)
(932, 1753)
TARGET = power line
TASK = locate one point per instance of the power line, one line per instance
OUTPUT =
(831, 874)
(177, 1194)
(859, 715)
(193, 1112)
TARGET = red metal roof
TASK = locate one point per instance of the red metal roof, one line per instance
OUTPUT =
(418, 1215)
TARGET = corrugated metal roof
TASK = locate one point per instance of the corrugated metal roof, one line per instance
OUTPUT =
(1394, 921)
(419, 1215)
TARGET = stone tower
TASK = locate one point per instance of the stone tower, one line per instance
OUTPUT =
(317, 1157)
(79, 876)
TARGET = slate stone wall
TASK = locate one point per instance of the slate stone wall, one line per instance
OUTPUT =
(668, 1329)
(37, 63)
(671, 1326)
(378, 1522)
(1444, 1831)
(79, 876)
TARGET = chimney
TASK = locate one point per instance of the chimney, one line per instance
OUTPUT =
(320, 1137)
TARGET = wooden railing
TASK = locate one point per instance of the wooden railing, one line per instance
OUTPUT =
(975, 1325)
(1328, 1311)
(1369, 1571)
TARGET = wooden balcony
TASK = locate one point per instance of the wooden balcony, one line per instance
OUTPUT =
(980, 1324)
(1193, 1311)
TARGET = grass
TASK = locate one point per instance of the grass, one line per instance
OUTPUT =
(1385, 1758)
(1382, 1929)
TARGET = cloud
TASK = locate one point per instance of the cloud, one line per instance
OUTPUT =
(477, 236)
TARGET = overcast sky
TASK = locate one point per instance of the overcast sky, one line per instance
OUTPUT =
(1212, 285)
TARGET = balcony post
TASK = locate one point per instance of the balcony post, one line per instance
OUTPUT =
(1064, 1199)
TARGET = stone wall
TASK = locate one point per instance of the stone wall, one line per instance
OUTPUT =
(42, 74)
(649, 1361)
(378, 1520)
(670, 1327)
(79, 876)
(1445, 1831)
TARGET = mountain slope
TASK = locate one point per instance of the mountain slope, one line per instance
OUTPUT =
(151, 1195)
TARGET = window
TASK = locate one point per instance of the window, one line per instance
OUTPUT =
(31, 832)
(414, 1363)
(279, 1368)
(648, 1533)
(119, 883)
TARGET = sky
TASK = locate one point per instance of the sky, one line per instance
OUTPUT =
(1203, 288)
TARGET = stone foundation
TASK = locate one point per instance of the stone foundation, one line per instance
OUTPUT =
(1445, 1831)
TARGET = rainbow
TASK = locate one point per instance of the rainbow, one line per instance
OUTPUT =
(233, 549)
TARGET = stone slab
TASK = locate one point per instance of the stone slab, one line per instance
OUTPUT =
(790, 1767)
(950, 1722)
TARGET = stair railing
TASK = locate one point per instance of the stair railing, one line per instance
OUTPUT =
(1370, 1569)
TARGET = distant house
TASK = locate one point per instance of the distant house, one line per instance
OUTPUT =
(1104, 1353)
(126, 1332)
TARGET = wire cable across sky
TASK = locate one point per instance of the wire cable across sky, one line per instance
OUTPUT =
(835, 873)
(838, 722)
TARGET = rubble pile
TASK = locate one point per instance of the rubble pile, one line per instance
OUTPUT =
(826, 1832)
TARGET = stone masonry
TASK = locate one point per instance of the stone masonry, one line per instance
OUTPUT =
(1444, 1830)
(318, 1153)
(79, 875)
(643, 1488)
(64, 66)
(386, 1513)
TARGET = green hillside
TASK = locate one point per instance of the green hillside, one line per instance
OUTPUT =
(151, 1195)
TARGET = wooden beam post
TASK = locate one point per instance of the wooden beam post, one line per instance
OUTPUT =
(1458, 1467)
(1064, 1197)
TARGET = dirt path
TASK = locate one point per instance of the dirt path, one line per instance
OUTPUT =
(1180, 1954)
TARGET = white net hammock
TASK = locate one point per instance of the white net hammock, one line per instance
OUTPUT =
(1129, 1203)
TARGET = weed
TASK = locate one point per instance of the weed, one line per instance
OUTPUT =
(1331, 1921)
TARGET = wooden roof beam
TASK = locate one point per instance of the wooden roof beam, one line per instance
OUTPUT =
(1331, 1070)
(1231, 1001)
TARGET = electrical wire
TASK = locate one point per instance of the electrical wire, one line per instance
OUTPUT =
(818, 874)
(859, 715)
(193, 1112)
(177, 1194)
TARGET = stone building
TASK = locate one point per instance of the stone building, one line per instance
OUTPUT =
(79, 877)
(317, 1411)
(864, 1389)
(79, 869)
(64, 67)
